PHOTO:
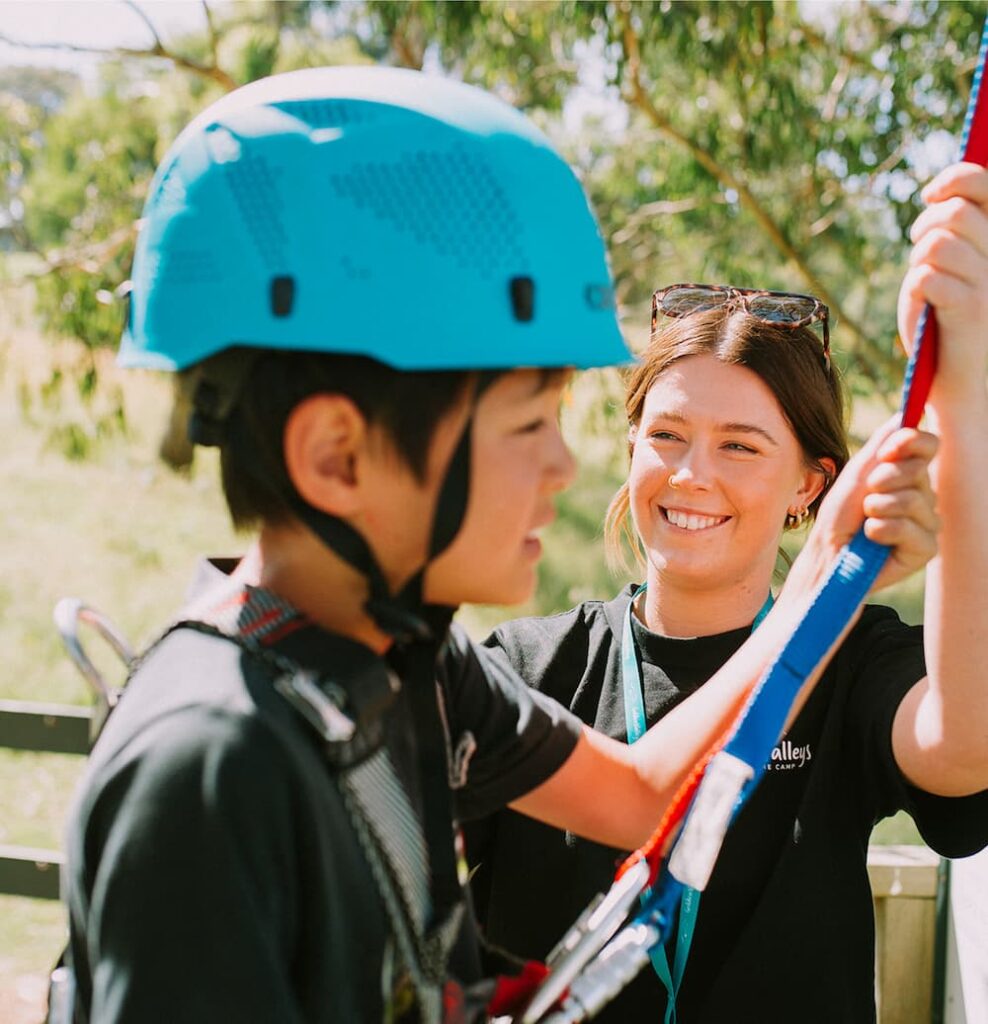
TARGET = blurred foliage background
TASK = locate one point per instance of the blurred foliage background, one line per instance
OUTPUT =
(778, 145)
(769, 144)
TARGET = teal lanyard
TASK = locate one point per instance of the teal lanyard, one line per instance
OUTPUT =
(634, 718)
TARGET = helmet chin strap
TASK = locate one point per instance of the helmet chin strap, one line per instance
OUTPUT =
(451, 507)
(393, 614)
(419, 630)
(403, 615)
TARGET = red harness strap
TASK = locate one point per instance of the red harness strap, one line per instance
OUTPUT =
(974, 150)
(658, 844)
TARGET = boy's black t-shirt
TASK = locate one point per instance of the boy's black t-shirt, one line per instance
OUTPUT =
(785, 928)
(213, 873)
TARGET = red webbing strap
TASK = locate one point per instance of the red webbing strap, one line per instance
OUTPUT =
(919, 377)
(974, 150)
(512, 994)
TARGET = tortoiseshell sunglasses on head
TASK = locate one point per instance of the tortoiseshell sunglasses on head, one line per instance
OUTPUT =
(783, 309)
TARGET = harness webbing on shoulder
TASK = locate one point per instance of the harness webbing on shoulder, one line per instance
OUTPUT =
(596, 959)
(347, 716)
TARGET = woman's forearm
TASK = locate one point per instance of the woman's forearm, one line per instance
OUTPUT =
(941, 736)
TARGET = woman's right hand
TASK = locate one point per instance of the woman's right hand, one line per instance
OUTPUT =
(948, 267)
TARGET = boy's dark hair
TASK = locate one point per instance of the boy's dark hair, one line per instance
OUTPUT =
(406, 405)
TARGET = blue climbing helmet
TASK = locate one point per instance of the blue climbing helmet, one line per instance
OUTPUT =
(370, 211)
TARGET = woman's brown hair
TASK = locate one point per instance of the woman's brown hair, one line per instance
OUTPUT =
(789, 361)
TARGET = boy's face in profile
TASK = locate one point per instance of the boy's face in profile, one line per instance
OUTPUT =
(347, 468)
(519, 462)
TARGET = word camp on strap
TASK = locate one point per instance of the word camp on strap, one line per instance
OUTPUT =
(596, 958)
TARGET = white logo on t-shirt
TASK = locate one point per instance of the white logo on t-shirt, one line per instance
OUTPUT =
(787, 756)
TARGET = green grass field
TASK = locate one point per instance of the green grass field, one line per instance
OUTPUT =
(122, 532)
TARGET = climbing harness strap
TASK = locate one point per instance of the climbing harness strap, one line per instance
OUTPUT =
(385, 824)
(346, 720)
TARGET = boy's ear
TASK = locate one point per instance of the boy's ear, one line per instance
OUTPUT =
(324, 437)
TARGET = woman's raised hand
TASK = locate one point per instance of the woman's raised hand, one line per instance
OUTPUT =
(948, 268)
(886, 485)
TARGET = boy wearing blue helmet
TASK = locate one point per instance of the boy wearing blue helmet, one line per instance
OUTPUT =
(348, 266)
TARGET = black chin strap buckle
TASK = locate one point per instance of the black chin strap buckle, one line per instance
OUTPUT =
(400, 623)
(406, 616)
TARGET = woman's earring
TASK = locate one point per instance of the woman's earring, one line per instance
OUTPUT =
(796, 517)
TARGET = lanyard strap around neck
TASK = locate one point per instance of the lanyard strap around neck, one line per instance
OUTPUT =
(635, 725)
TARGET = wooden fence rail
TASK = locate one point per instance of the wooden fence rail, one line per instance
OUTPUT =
(50, 729)
(907, 885)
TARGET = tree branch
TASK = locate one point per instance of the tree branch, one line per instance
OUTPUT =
(637, 95)
(836, 88)
(212, 72)
(158, 44)
(407, 56)
(211, 27)
(408, 51)
(850, 57)
(660, 208)
(86, 258)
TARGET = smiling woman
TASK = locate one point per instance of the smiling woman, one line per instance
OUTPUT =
(736, 433)
(715, 469)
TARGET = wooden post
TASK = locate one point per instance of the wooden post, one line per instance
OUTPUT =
(967, 942)
(904, 889)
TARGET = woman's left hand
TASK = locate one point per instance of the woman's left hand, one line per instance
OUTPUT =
(887, 483)
(948, 268)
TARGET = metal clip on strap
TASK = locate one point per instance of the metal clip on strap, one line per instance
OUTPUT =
(617, 965)
(68, 614)
(592, 931)
(349, 719)
(322, 712)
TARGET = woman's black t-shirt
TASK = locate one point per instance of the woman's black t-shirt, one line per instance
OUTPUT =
(785, 928)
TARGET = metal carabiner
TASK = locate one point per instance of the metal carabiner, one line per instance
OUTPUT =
(595, 927)
(68, 614)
